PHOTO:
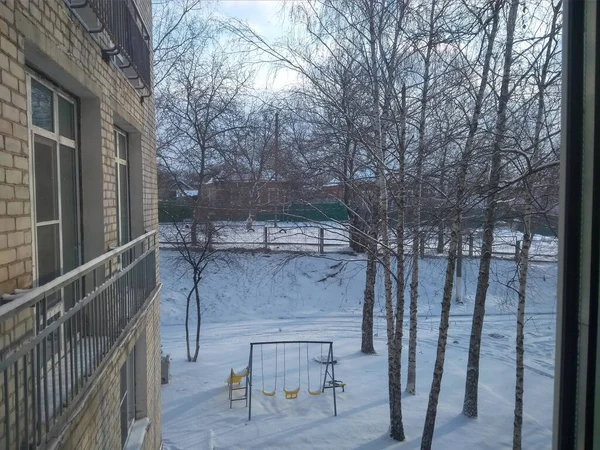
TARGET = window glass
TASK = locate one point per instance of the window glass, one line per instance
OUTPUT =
(122, 146)
(46, 180)
(124, 421)
(48, 252)
(123, 203)
(42, 106)
(127, 406)
(131, 387)
(68, 197)
(66, 118)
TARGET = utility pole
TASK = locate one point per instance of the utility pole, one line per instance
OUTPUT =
(276, 166)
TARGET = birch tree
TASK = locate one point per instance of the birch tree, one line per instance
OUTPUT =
(543, 80)
(414, 283)
(488, 45)
(470, 405)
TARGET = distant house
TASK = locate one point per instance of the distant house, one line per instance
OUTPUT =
(182, 192)
(234, 196)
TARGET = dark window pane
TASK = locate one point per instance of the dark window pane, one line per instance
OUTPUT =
(68, 196)
(131, 387)
(122, 146)
(46, 181)
(66, 118)
(48, 257)
(41, 106)
(124, 421)
(123, 204)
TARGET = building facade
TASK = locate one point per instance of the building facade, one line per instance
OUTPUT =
(79, 306)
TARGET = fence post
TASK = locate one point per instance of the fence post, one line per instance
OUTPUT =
(517, 251)
(266, 238)
(471, 245)
(321, 240)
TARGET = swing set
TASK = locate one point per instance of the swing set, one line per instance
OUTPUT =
(291, 392)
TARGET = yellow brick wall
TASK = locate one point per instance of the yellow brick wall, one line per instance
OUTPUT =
(49, 28)
(15, 223)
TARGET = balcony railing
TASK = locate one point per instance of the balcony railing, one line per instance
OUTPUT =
(63, 346)
(129, 37)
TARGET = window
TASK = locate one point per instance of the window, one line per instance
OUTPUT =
(54, 182)
(122, 173)
(128, 397)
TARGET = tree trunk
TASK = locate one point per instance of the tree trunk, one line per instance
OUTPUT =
(394, 347)
(438, 370)
(436, 383)
(358, 241)
(523, 266)
(470, 405)
(400, 263)
(411, 377)
(196, 216)
(440, 237)
(441, 214)
(369, 301)
(199, 317)
(459, 261)
(412, 344)
(187, 326)
(527, 238)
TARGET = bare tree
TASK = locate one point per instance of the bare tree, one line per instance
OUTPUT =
(203, 92)
(488, 44)
(177, 27)
(196, 258)
(543, 80)
(472, 380)
(417, 235)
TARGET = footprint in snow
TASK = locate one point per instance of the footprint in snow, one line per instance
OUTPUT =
(496, 336)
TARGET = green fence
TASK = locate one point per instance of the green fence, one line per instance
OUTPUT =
(169, 211)
(297, 212)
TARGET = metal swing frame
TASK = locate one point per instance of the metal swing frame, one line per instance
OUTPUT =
(329, 370)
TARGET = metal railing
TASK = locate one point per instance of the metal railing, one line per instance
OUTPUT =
(44, 377)
(123, 23)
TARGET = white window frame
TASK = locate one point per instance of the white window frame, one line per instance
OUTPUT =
(130, 394)
(118, 163)
(57, 140)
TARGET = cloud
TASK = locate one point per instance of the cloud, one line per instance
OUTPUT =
(263, 15)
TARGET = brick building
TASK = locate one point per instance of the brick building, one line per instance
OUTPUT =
(79, 312)
(234, 198)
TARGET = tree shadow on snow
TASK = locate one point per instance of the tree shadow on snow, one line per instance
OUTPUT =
(385, 441)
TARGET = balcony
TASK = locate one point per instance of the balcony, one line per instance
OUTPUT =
(57, 351)
(122, 35)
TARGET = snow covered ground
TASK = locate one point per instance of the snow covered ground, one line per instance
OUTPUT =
(261, 297)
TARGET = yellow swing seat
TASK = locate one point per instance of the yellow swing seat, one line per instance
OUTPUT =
(291, 395)
(235, 378)
(268, 394)
(317, 392)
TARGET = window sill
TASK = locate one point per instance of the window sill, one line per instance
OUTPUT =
(137, 434)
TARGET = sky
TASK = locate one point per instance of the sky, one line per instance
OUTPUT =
(266, 18)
